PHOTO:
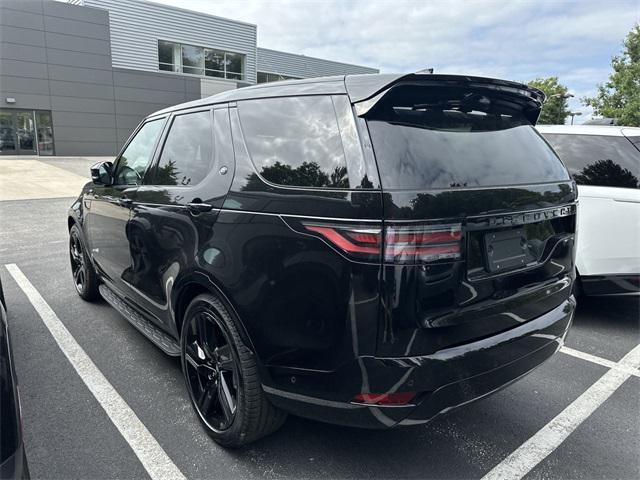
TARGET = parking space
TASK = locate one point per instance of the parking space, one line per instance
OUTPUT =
(68, 434)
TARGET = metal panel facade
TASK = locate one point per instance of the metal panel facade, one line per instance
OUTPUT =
(136, 27)
(56, 57)
(301, 66)
(59, 59)
(95, 65)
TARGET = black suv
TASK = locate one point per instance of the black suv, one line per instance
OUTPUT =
(365, 250)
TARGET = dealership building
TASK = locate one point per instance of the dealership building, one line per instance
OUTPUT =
(77, 77)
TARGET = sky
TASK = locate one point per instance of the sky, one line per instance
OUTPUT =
(511, 39)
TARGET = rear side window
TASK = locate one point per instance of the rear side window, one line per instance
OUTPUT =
(440, 138)
(598, 160)
(187, 155)
(295, 141)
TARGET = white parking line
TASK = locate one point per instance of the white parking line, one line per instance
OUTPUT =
(547, 439)
(144, 445)
(599, 360)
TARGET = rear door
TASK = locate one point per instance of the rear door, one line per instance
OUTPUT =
(479, 215)
(173, 214)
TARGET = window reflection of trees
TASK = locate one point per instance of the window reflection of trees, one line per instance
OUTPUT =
(188, 151)
(606, 173)
(309, 174)
(295, 141)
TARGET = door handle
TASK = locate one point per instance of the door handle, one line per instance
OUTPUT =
(125, 202)
(197, 207)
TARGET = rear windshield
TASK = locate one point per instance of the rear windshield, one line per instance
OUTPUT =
(456, 138)
(599, 160)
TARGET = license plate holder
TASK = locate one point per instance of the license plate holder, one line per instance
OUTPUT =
(506, 250)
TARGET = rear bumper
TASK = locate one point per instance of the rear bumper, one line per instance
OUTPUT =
(445, 380)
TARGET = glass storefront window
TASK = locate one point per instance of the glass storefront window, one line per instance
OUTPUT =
(233, 64)
(44, 128)
(176, 57)
(193, 60)
(26, 132)
(168, 56)
(7, 133)
(214, 63)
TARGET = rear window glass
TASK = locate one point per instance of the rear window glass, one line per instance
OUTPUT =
(436, 138)
(598, 160)
(295, 141)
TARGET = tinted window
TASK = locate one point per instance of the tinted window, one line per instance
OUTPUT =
(598, 160)
(188, 150)
(193, 59)
(295, 141)
(135, 158)
(452, 138)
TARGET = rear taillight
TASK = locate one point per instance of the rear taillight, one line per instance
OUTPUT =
(423, 243)
(362, 243)
(400, 244)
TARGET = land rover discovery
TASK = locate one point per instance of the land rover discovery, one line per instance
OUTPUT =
(365, 250)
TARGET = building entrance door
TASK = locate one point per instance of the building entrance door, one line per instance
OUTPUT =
(26, 132)
(8, 137)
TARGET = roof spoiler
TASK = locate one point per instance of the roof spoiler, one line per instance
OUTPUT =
(367, 90)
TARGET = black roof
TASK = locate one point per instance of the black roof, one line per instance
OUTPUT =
(358, 87)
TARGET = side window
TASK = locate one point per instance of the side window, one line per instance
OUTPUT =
(187, 155)
(604, 161)
(295, 141)
(135, 158)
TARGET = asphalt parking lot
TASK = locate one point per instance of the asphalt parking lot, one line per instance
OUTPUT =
(577, 416)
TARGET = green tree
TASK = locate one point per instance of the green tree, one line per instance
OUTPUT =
(555, 108)
(619, 97)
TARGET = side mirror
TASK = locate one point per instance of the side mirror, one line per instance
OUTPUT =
(102, 173)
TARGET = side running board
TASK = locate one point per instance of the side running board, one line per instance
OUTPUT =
(166, 343)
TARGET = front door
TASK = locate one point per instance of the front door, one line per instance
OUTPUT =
(109, 209)
(173, 215)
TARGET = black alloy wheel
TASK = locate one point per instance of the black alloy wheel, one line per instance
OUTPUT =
(211, 371)
(78, 269)
(222, 376)
(84, 276)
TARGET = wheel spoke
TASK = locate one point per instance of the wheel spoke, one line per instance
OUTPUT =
(224, 358)
(227, 402)
(78, 276)
(203, 391)
(201, 335)
(191, 361)
(207, 398)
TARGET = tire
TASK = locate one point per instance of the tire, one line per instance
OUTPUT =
(222, 376)
(84, 275)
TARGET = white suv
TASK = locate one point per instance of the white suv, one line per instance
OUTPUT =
(605, 163)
